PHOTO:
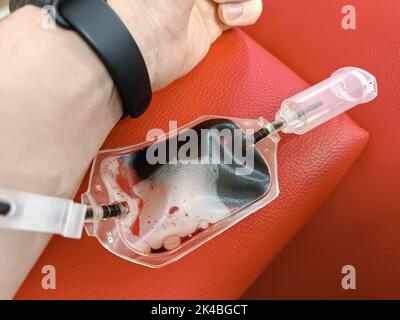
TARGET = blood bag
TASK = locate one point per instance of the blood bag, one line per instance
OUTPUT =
(179, 204)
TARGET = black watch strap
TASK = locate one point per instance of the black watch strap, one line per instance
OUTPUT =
(104, 31)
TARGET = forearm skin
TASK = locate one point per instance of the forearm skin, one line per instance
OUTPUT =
(57, 105)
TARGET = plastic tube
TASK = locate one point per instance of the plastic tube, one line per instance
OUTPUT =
(32, 212)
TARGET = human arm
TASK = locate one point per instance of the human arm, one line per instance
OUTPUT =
(58, 102)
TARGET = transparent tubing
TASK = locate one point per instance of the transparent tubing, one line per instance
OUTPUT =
(39, 213)
(346, 88)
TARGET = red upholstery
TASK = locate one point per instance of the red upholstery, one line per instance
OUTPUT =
(238, 78)
(360, 223)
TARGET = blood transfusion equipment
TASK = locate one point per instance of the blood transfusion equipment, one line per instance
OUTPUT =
(154, 202)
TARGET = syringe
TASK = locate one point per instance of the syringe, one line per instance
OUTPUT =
(345, 89)
(40, 213)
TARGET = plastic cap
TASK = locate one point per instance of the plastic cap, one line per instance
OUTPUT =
(345, 89)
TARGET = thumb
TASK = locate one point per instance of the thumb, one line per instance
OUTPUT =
(239, 12)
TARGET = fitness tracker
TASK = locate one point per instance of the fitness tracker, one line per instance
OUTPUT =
(106, 34)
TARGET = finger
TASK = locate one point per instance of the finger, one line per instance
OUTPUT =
(240, 13)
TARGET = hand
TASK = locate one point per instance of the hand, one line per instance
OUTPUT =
(175, 35)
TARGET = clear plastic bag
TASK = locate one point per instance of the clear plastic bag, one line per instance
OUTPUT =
(176, 206)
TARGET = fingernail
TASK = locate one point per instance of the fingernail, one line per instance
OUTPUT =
(232, 11)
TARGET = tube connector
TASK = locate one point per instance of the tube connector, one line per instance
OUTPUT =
(114, 210)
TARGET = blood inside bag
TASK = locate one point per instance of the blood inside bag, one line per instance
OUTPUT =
(171, 203)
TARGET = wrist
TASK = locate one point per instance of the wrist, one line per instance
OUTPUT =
(66, 65)
(58, 105)
(133, 16)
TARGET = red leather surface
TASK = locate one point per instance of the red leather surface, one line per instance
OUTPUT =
(360, 223)
(238, 78)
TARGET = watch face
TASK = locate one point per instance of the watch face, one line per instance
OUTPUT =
(4, 12)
